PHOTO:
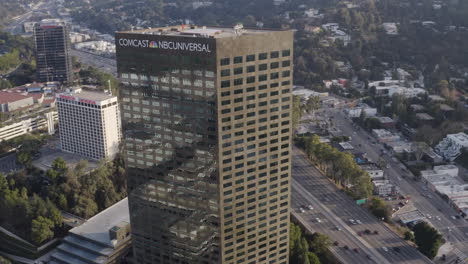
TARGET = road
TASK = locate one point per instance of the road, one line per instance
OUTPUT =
(431, 205)
(16, 26)
(103, 64)
(335, 208)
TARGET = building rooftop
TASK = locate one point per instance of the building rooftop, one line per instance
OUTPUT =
(410, 214)
(199, 32)
(384, 119)
(382, 132)
(51, 22)
(447, 108)
(97, 227)
(417, 107)
(78, 93)
(9, 97)
(424, 116)
(445, 167)
(461, 138)
(346, 145)
(369, 167)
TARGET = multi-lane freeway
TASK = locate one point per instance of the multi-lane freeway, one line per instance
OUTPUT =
(332, 213)
(16, 24)
(437, 211)
(103, 64)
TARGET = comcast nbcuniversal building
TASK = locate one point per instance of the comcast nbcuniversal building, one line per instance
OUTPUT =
(206, 118)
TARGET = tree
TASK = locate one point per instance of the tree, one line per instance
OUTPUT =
(382, 163)
(299, 247)
(443, 88)
(85, 207)
(41, 229)
(53, 213)
(59, 165)
(408, 235)
(313, 259)
(313, 104)
(296, 111)
(419, 149)
(427, 239)
(4, 260)
(319, 243)
(378, 208)
(23, 158)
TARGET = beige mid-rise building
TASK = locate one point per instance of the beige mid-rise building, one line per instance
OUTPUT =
(207, 136)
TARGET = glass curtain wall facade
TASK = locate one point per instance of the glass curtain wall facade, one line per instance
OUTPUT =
(52, 46)
(206, 131)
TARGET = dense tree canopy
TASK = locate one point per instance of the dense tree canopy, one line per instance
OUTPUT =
(22, 213)
(339, 166)
(427, 239)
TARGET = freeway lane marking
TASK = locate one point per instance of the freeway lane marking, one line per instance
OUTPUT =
(331, 215)
(331, 248)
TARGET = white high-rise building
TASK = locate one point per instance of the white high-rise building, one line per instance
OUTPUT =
(89, 123)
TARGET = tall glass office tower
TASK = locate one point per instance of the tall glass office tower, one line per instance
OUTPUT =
(206, 118)
(52, 46)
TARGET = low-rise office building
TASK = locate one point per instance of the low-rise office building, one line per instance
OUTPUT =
(384, 188)
(104, 238)
(42, 121)
(26, 109)
(356, 111)
(385, 136)
(11, 101)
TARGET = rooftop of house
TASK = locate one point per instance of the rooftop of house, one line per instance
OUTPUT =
(384, 119)
(424, 116)
(447, 108)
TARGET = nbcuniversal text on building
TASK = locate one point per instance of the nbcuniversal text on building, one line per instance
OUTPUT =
(170, 45)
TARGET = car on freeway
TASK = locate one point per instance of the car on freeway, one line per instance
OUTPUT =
(336, 243)
(310, 207)
(397, 249)
(318, 220)
(385, 249)
(346, 247)
(352, 221)
(302, 210)
(453, 217)
(356, 250)
(337, 228)
(358, 222)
